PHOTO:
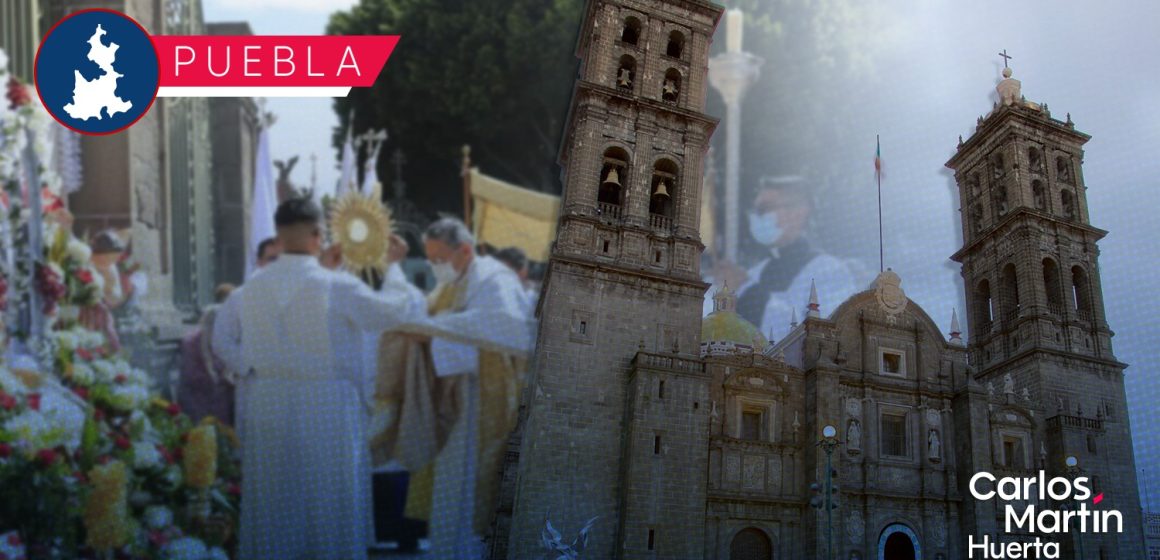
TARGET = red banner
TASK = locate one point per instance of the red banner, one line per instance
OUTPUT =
(265, 61)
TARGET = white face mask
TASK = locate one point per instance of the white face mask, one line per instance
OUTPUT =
(764, 227)
(444, 272)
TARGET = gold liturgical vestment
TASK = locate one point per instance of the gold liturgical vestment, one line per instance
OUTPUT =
(416, 411)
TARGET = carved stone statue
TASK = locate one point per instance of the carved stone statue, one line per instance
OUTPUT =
(285, 188)
(990, 389)
(1008, 384)
(933, 446)
(1010, 89)
(854, 435)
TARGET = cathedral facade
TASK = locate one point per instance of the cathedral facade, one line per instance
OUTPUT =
(674, 436)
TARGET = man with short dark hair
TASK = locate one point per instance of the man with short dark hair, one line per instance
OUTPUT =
(268, 251)
(306, 483)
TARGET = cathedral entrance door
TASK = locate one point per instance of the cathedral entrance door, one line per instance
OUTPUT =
(898, 542)
(751, 544)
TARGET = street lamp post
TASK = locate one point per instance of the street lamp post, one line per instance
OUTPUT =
(828, 443)
(1073, 470)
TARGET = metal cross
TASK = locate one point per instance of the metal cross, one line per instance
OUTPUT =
(1006, 57)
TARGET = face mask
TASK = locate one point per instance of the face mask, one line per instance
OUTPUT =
(444, 272)
(764, 227)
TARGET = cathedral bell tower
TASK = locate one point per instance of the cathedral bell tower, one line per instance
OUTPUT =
(1034, 304)
(623, 277)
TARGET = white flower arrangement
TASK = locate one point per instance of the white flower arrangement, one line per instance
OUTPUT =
(10, 383)
(37, 430)
(146, 456)
(67, 339)
(79, 251)
(185, 548)
(83, 374)
(127, 398)
(158, 517)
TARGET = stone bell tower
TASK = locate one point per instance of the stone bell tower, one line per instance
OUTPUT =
(1035, 308)
(624, 273)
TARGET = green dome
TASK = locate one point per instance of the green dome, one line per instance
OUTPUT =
(725, 325)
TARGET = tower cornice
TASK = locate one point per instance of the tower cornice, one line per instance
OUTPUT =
(1002, 116)
(1014, 216)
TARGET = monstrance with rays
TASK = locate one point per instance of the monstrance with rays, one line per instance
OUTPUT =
(362, 227)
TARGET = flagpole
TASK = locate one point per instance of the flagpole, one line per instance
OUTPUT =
(878, 175)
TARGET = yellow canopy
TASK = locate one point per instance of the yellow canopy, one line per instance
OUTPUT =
(505, 215)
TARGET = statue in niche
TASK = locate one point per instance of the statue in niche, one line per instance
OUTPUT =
(854, 436)
(934, 446)
(1008, 384)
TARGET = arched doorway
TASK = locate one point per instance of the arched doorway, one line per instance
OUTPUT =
(751, 544)
(898, 542)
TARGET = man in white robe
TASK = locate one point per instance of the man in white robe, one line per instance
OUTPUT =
(306, 464)
(480, 337)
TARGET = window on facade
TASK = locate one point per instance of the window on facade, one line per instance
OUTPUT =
(1063, 169)
(664, 188)
(977, 217)
(676, 44)
(626, 73)
(1067, 204)
(1079, 291)
(656, 445)
(1010, 293)
(671, 87)
(1091, 445)
(892, 363)
(1038, 195)
(983, 306)
(1051, 284)
(631, 32)
(751, 425)
(1013, 452)
(894, 434)
(1034, 160)
(997, 169)
(1001, 199)
(651, 539)
(610, 195)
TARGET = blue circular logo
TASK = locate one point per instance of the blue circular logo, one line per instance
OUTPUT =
(97, 71)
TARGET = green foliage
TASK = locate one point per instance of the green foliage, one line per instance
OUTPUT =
(494, 74)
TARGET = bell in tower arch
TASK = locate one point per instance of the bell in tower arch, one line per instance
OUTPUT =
(611, 179)
(662, 190)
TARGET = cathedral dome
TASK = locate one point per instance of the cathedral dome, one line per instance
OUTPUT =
(725, 328)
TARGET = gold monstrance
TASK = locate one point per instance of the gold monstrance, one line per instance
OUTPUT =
(362, 227)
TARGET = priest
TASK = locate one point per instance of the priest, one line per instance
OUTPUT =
(479, 343)
(306, 477)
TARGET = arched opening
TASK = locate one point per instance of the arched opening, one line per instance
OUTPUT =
(977, 217)
(671, 89)
(997, 165)
(975, 184)
(1052, 286)
(676, 44)
(626, 73)
(983, 311)
(631, 33)
(1067, 204)
(663, 193)
(1038, 195)
(1010, 293)
(1081, 292)
(613, 177)
(898, 547)
(898, 542)
(1001, 199)
(1063, 169)
(751, 544)
(1034, 160)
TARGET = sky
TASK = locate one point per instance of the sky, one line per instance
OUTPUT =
(938, 64)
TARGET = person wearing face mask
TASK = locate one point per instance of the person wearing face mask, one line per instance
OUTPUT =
(779, 284)
(480, 340)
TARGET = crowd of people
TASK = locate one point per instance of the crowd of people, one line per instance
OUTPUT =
(328, 379)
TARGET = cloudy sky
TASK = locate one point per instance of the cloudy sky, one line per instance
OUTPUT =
(936, 65)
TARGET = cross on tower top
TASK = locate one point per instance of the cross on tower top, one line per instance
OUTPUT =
(1006, 57)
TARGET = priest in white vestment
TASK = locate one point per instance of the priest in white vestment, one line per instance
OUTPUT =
(479, 306)
(306, 465)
